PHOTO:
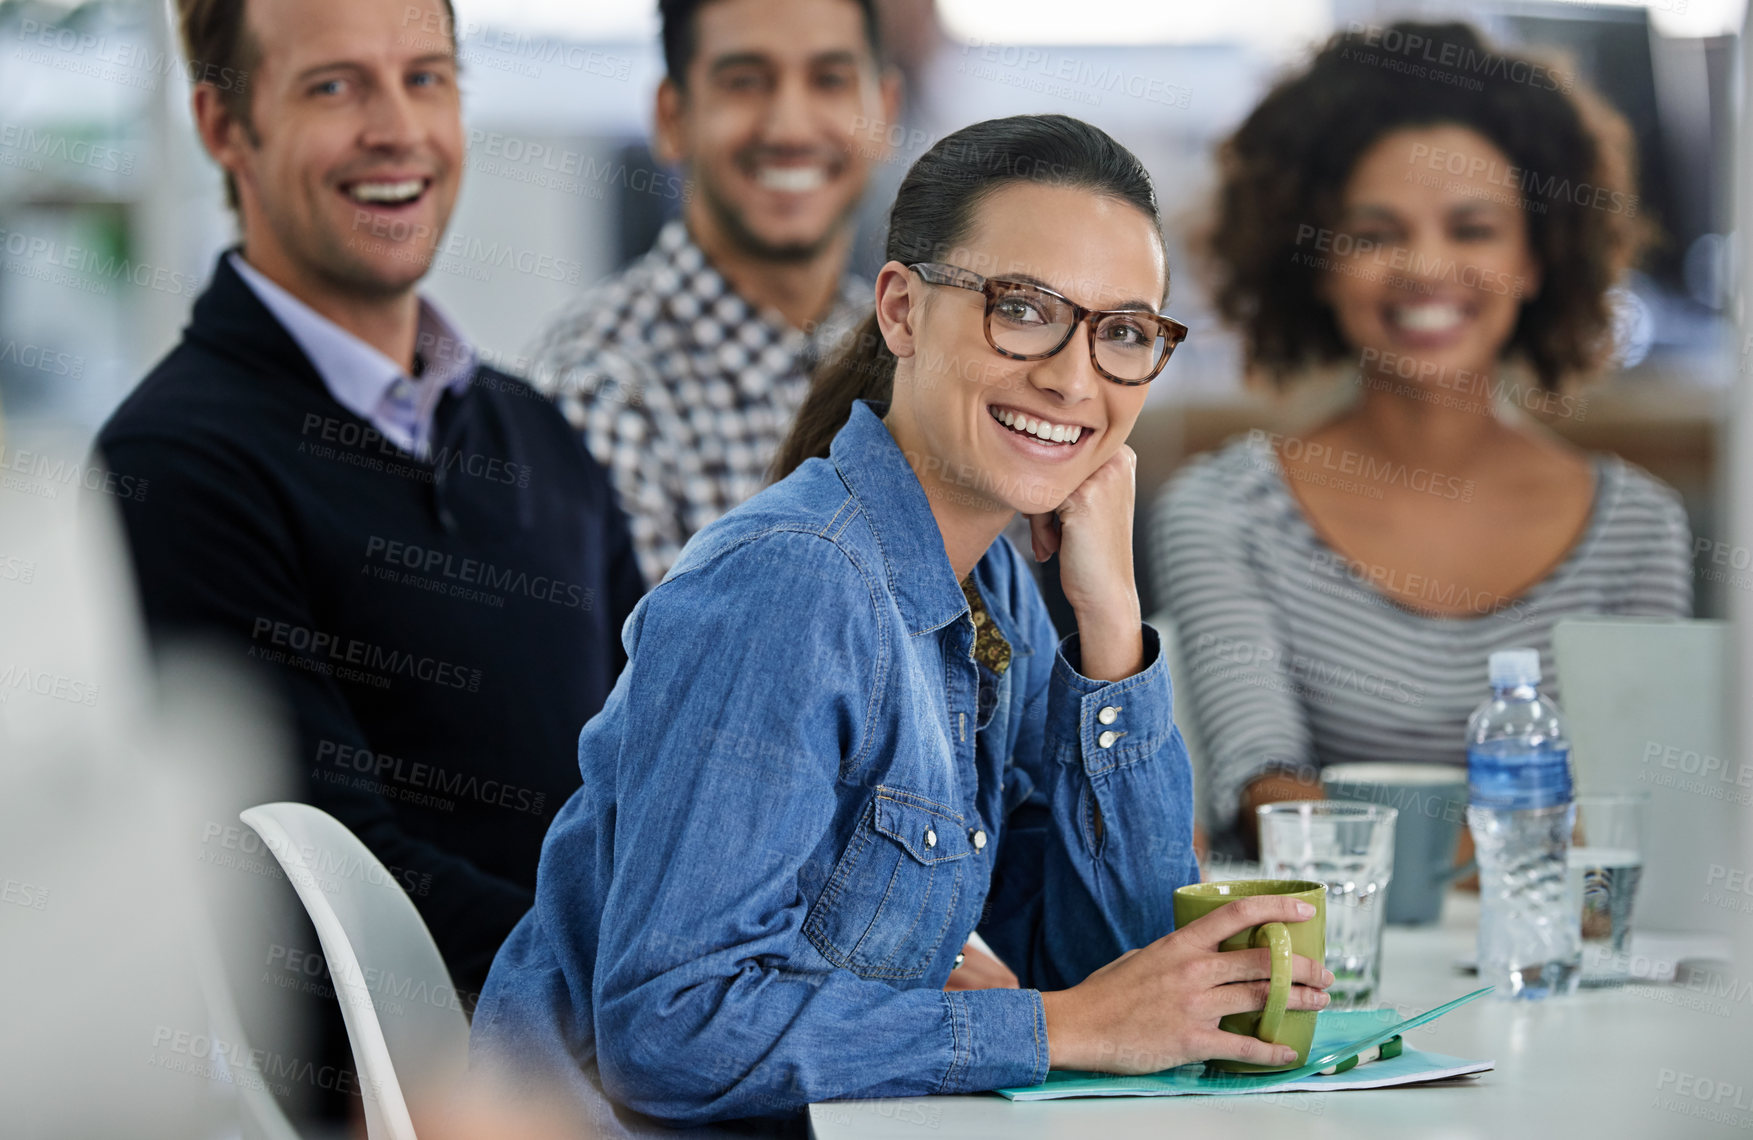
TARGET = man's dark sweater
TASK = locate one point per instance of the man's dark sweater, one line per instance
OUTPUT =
(442, 628)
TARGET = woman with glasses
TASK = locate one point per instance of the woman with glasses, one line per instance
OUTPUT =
(847, 735)
(1449, 233)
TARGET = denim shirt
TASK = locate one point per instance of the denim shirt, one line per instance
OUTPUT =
(797, 805)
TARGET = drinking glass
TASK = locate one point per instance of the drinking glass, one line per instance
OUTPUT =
(1349, 847)
(1606, 862)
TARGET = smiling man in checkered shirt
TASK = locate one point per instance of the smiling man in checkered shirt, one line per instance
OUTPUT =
(684, 370)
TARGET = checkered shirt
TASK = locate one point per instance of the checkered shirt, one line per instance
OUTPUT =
(683, 389)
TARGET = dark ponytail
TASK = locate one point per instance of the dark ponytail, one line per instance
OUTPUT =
(934, 209)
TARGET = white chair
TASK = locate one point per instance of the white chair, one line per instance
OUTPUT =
(404, 1018)
(259, 1114)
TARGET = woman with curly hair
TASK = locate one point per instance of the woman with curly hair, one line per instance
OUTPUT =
(1447, 220)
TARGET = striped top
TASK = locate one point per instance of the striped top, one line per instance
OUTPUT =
(1294, 657)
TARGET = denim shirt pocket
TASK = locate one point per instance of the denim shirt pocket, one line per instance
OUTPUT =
(891, 898)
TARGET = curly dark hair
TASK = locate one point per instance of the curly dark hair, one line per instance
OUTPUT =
(1287, 166)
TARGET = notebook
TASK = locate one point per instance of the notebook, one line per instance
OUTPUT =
(1339, 1034)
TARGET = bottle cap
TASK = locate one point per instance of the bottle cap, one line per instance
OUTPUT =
(1515, 667)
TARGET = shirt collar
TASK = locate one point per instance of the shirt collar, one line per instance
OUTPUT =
(889, 495)
(687, 270)
(696, 286)
(355, 373)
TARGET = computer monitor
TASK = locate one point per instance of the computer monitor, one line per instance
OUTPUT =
(1648, 707)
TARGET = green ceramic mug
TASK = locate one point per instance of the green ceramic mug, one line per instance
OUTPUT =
(1275, 1025)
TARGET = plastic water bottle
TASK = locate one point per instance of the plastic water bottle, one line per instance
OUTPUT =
(1520, 810)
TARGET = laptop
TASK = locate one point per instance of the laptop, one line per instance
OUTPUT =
(1648, 707)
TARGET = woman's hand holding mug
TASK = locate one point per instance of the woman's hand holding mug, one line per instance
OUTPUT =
(1159, 1006)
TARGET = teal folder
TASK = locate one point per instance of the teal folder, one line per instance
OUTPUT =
(1339, 1035)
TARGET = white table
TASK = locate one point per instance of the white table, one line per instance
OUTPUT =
(1641, 1060)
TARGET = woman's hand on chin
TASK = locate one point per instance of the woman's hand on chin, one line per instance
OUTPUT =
(1091, 531)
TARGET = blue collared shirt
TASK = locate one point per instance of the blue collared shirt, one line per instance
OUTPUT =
(801, 797)
(364, 380)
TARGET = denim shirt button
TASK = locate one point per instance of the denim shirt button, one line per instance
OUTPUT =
(1109, 715)
(930, 837)
(979, 840)
(1107, 739)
